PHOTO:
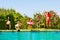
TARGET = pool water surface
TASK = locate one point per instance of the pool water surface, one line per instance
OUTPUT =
(30, 35)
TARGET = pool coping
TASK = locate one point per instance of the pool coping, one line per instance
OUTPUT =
(24, 30)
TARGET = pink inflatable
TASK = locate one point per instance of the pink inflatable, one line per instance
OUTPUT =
(30, 23)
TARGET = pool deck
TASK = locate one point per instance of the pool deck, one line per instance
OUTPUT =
(23, 30)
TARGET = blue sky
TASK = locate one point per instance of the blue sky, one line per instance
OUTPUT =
(30, 7)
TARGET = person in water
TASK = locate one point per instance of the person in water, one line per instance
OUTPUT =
(17, 26)
(47, 16)
(30, 23)
(8, 24)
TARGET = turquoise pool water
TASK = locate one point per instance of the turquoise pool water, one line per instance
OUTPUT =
(29, 35)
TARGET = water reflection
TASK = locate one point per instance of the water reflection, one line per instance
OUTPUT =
(29, 36)
(24, 35)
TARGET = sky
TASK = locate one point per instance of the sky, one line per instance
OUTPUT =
(31, 7)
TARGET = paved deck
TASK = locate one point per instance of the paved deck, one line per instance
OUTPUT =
(30, 30)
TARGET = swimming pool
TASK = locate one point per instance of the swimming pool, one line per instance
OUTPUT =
(30, 35)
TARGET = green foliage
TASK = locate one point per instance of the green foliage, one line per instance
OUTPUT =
(15, 16)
